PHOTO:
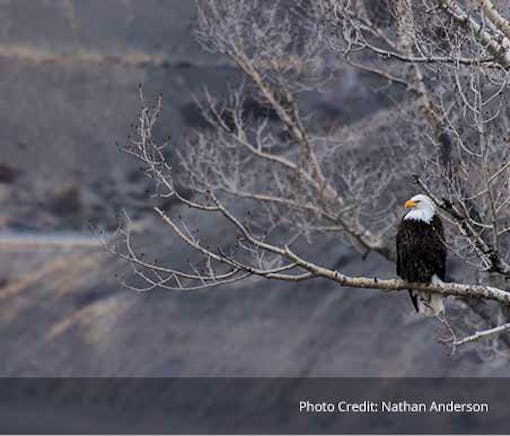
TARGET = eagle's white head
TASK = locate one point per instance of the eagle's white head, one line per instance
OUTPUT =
(421, 208)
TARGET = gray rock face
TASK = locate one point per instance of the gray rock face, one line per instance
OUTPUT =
(68, 77)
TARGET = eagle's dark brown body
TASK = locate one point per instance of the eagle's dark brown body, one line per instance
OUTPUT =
(421, 252)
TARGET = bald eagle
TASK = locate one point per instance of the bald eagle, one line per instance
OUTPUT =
(421, 253)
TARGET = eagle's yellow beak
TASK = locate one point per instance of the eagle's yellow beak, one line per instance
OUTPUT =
(409, 204)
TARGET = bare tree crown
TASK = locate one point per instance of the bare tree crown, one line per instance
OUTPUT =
(280, 175)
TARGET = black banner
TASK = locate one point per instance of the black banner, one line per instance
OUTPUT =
(254, 405)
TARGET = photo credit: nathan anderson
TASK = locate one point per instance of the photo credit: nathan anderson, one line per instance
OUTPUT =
(343, 406)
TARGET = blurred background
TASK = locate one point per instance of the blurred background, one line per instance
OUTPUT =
(69, 72)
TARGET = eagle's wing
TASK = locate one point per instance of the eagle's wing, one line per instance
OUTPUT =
(438, 248)
(401, 240)
(421, 252)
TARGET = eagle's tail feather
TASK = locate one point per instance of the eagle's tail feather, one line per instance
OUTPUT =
(427, 303)
(414, 299)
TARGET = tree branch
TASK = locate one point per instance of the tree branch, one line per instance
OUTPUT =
(462, 18)
(497, 19)
(455, 289)
(481, 335)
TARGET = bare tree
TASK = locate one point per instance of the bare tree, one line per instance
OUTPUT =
(448, 63)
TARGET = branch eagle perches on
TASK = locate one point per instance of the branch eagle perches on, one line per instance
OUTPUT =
(305, 270)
